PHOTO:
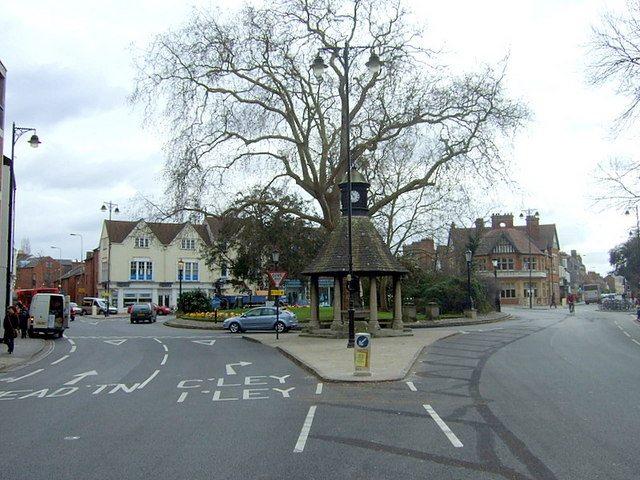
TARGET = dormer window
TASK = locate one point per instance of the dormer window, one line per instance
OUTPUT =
(188, 244)
(142, 242)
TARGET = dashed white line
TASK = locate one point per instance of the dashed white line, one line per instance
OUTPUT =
(319, 389)
(165, 347)
(73, 349)
(11, 380)
(146, 382)
(64, 357)
(304, 433)
(626, 333)
(411, 386)
(635, 341)
(182, 396)
(164, 359)
(443, 426)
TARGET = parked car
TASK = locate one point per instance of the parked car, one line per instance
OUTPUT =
(142, 312)
(162, 310)
(74, 310)
(89, 302)
(261, 318)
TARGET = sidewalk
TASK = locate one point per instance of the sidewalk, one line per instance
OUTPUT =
(26, 350)
(329, 359)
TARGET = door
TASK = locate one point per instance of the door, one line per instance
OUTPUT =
(267, 318)
(251, 320)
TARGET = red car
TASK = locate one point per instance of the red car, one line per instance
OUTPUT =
(162, 310)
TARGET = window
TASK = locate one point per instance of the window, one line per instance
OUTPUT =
(508, 291)
(190, 272)
(224, 270)
(142, 242)
(526, 292)
(480, 263)
(141, 270)
(188, 243)
(505, 264)
(534, 263)
(503, 247)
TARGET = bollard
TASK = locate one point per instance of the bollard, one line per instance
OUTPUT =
(362, 355)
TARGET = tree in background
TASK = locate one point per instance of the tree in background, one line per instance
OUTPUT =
(625, 259)
(238, 98)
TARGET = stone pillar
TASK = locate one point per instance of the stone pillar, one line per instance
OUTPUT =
(373, 305)
(397, 304)
(336, 324)
(314, 323)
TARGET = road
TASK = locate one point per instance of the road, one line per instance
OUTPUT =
(546, 396)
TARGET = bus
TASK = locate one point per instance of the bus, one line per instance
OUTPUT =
(591, 293)
(25, 295)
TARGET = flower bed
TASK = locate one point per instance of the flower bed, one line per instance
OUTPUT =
(208, 316)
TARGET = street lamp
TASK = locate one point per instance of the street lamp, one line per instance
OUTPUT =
(180, 270)
(468, 255)
(275, 256)
(529, 212)
(81, 244)
(318, 67)
(494, 262)
(34, 141)
(59, 263)
(112, 208)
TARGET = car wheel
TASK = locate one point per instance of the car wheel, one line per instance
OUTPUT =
(131, 321)
(280, 327)
(234, 327)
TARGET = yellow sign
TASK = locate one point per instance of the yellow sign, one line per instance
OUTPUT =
(277, 292)
(362, 358)
(262, 292)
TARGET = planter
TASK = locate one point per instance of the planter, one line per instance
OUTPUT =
(432, 311)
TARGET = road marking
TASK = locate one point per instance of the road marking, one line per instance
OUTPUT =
(159, 341)
(73, 349)
(231, 371)
(182, 396)
(60, 359)
(71, 438)
(443, 426)
(204, 342)
(319, 389)
(164, 359)
(11, 380)
(116, 342)
(626, 333)
(411, 386)
(81, 376)
(635, 341)
(304, 433)
(165, 347)
(70, 341)
(145, 383)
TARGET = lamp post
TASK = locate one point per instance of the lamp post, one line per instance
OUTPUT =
(318, 67)
(180, 270)
(34, 141)
(112, 208)
(627, 212)
(468, 255)
(81, 244)
(529, 212)
(494, 262)
(59, 264)
(275, 256)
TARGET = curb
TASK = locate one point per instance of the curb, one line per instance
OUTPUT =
(169, 323)
(503, 318)
(46, 348)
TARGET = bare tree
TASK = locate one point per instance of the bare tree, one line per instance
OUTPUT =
(242, 106)
(617, 183)
(615, 50)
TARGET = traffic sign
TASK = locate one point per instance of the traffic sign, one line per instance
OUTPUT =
(277, 292)
(277, 277)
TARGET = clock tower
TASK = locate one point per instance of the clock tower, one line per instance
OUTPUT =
(359, 194)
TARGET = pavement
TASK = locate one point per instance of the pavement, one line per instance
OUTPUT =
(25, 350)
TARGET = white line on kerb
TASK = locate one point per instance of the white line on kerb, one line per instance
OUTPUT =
(153, 375)
(159, 341)
(319, 389)
(182, 396)
(164, 359)
(443, 426)
(165, 347)
(60, 359)
(411, 386)
(304, 433)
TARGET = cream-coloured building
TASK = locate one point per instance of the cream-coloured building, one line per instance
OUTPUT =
(139, 261)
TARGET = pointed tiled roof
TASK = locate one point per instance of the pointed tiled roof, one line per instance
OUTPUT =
(118, 230)
(166, 233)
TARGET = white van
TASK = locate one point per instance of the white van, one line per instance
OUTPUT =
(49, 313)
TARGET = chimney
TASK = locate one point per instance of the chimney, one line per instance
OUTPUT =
(479, 224)
(533, 226)
(502, 220)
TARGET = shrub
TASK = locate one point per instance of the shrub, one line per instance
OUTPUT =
(194, 301)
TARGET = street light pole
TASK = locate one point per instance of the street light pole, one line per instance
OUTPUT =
(111, 207)
(494, 262)
(34, 141)
(468, 256)
(529, 212)
(275, 256)
(318, 66)
(59, 265)
(180, 270)
(81, 244)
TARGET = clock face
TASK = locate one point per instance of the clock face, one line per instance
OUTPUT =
(355, 196)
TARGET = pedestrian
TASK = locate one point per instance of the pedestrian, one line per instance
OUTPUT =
(23, 318)
(10, 325)
(553, 301)
(571, 302)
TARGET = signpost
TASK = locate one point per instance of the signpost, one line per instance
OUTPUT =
(277, 278)
(362, 355)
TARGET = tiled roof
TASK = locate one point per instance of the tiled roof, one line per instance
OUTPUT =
(166, 233)
(516, 236)
(79, 270)
(117, 230)
(370, 253)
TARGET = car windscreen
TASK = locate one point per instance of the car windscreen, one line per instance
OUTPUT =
(141, 308)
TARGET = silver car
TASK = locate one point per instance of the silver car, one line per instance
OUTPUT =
(262, 318)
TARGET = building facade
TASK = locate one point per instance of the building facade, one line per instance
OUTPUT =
(527, 257)
(36, 272)
(422, 254)
(139, 261)
(5, 276)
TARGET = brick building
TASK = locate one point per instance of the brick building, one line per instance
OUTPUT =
(82, 280)
(527, 257)
(421, 253)
(34, 272)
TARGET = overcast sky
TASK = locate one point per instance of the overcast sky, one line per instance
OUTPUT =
(70, 71)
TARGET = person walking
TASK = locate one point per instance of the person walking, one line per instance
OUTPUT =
(10, 325)
(553, 301)
(23, 318)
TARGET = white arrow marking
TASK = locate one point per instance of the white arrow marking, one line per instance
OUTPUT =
(81, 376)
(231, 371)
(204, 342)
(116, 342)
